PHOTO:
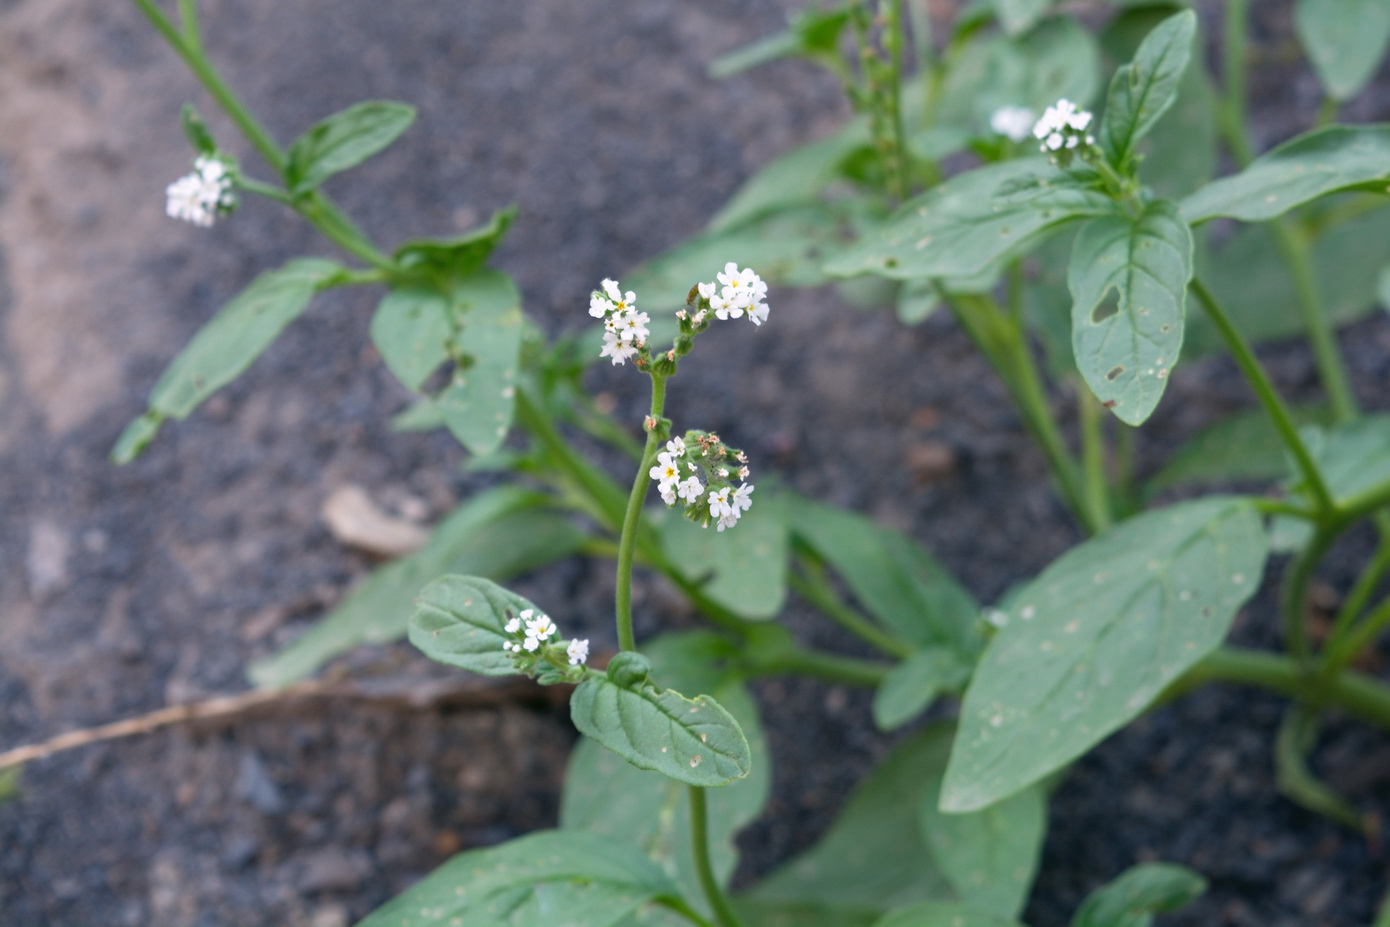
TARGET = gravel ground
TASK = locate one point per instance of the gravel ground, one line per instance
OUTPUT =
(122, 590)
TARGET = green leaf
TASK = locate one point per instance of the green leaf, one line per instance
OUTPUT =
(1243, 447)
(1128, 280)
(893, 577)
(1299, 171)
(1180, 154)
(9, 783)
(912, 686)
(1345, 40)
(1354, 457)
(499, 534)
(745, 568)
(812, 33)
(957, 229)
(1090, 643)
(478, 402)
(411, 329)
(694, 741)
(990, 856)
(1018, 16)
(532, 881)
(873, 858)
(800, 914)
(917, 301)
(1139, 893)
(1143, 90)
(943, 914)
(458, 621)
(607, 795)
(196, 131)
(344, 140)
(1248, 276)
(135, 437)
(237, 335)
(441, 262)
(797, 178)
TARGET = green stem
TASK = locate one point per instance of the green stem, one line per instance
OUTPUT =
(1327, 112)
(1344, 649)
(1297, 736)
(1005, 346)
(1354, 693)
(1093, 457)
(188, 15)
(1268, 396)
(1293, 244)
(628, 539)
(1360, 595)
(1232, 109)
(699, 845)
(828, 667)
(811, 584)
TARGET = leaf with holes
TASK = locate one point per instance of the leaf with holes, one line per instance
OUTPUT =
(596, 881)
(1090, 643)
(1139, 893)
(957, 229)
(1345, 41)
(344, 140)
(1299, 171)
(459, 621)
(607, 795)
(1128, 280)
(691, 740)
(989, 856)
(478, 401)
(498, 534)
(1143, 90)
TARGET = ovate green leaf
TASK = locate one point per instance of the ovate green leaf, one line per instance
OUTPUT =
(606, 795)
(459, 620)
(411, 329)
(1354, 457)
(1094, 639)
(1242, 447)
(873, 858)
(478, 401)
(912, 686)
(989, 856)
(691, 740)
(498, 534)
(1143, 90)
(344, 140)
(1128, 280)
(900, 584)
(744, 568)
(237, 335)
(1301, 170)
(1139, 893)
(440, 262)
(958, 229)
(1345, 40)
(591, 880)
(796, 178)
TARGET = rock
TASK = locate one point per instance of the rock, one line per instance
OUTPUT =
(357, 521)
(333, 869)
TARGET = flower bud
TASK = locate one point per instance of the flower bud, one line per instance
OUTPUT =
(629, 669)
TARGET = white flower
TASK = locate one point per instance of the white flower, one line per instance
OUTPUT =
(727, 521)
(1063, 126)
(599, 305)
(1012, 122)
(513, 626)
(698, 317)
(578, 652)
(616, 348)
(668, 493)
(610, 287)
(706, 290)
(689, 489)
(727, 305)
(540, 627)
(667, 469)
(676, 447)
(719, 503)
(611, 299)
(202, 196)
(742, 498)
(632, 326)
(757, 313)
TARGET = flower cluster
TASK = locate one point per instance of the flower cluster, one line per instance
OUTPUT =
(530, 634)
(736, 292)
(1013, 122)
(205, 194)
(624, 328)
(678, 473)
(1063, 127)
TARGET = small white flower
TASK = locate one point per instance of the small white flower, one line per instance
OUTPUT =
(1063, 126)
(202, 196)
(719, 503)
(617, 349)
(667, 469)
(1012, 122)
(743, 475)
(578, 652)
(727, 304)
(698, 317)
(706, 290)
(541, 627)
(668, 493)
(676, 447)
(531, 644)
(610, 287)
(632, 326)
(513, 626)
(757, 313)
(742, 498)
(727, 521)
(689, 489)
(599, 306)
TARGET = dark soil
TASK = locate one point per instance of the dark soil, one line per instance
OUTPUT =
(122, 590)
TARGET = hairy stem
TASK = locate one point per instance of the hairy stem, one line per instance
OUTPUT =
(628, 540)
